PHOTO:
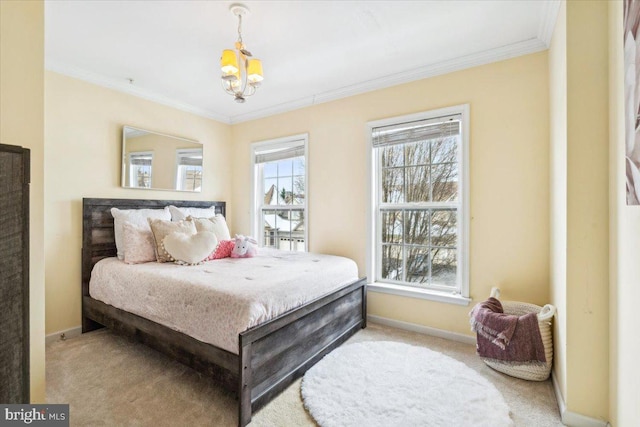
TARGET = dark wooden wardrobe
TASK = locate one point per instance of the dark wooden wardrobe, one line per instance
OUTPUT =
(14, 274)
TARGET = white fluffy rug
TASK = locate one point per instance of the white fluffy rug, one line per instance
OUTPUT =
(383, 383)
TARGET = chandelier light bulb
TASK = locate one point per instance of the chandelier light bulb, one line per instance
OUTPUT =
(254, 71)
(229, 62)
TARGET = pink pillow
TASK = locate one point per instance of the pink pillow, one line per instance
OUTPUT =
(138, 244)
(223, 250)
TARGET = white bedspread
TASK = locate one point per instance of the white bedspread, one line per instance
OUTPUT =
(217, 300)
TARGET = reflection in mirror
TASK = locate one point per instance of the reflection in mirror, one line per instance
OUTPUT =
(162, 162)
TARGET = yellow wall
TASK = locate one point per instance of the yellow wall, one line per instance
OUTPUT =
(21, 123)
(509, 178)
(580, 204)
(625, 247)
(83, 129)
(558, 192)
(587, 209)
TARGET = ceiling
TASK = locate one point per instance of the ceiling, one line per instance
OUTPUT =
(312, 51)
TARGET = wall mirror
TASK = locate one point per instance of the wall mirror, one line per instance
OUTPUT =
(160, 162)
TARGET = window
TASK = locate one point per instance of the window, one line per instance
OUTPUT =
(280, 193)
(189, 170)
(140, 169)
(419, 208)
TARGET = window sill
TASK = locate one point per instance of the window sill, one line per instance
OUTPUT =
(428, 294)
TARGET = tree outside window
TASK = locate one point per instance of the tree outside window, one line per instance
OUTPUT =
(418, 202)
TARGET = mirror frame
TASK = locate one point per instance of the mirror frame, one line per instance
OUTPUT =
(124, 164)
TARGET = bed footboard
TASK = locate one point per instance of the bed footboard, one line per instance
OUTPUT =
(276, 353)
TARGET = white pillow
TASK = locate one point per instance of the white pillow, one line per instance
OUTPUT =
(139, 245)
(136, 217)
(178, 214)
(189, 248)
(216, 224)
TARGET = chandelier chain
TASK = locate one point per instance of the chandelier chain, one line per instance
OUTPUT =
(240, 28)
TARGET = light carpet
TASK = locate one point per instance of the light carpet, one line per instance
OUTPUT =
(388, 384)
(109, 380)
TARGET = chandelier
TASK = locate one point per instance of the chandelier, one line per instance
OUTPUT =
(241, 74)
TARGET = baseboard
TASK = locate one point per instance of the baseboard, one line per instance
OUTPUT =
(63, 335)
(573, 419)
(426, 330)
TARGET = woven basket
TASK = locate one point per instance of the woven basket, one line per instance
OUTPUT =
(532, 372)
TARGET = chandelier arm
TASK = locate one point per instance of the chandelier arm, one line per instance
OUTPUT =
(247, 88)
(242, 73)
(227, 87)
(250, 90)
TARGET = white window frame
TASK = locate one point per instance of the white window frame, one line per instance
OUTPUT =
(459, 295)
(133, 180)
(257, 227)
(181, 152)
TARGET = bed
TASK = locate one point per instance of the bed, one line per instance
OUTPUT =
(270, 355)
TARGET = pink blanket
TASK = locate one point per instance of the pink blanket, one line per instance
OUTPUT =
(506, 337)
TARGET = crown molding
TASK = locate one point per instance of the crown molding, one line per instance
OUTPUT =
(493, 55)
(545, 31)
(126, 87)
(273, 110)
(548, 19)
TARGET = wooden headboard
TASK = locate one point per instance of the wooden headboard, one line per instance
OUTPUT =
(98, 239)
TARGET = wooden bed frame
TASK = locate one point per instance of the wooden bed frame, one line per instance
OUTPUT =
(270, 356)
